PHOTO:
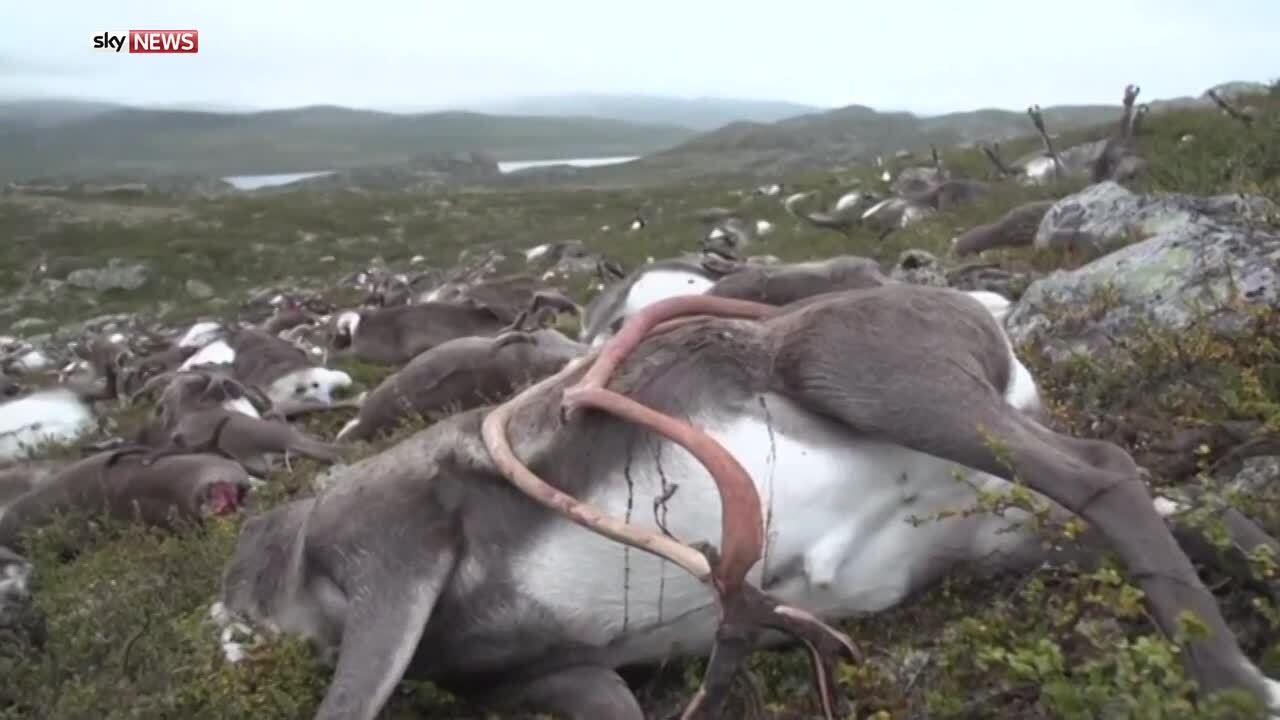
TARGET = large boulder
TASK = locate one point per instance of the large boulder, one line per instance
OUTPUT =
(1184, 255)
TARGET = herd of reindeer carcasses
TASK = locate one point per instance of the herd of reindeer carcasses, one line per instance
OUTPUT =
(728, 456)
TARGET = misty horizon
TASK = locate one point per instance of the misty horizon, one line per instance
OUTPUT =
(402, 56)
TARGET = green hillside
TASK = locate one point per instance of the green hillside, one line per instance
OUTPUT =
(306, 139)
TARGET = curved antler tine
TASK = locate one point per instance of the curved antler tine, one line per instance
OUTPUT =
(494, 431)
(742, 520)
(616, 349)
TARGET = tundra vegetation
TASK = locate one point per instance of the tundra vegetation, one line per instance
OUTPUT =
(126, 613)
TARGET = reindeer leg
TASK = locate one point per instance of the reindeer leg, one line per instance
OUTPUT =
(580, 692)
(950, 408)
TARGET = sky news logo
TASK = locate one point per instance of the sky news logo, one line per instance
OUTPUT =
(149, 41)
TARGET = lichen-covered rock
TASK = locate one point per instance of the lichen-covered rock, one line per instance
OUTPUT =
(1257, 474)
(199, 289)
(1190, 254)
(115, 276)
(1107, 214)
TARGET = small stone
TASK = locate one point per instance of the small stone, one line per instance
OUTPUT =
(199, 289)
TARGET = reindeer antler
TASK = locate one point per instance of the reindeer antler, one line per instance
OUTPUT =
(745, 610)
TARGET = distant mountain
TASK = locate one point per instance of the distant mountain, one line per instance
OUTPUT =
(48, 113)
(91, 140)
(857, 133)
(704, 113)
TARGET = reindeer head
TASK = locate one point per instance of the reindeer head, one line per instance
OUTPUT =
(200, 389)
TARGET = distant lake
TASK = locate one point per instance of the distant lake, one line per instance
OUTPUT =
(514, 165)
(254, 182)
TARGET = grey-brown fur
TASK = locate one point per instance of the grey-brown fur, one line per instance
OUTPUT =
(394, 335)
(9, 387)
(506, 297)
(1016, 228)
(951, 194)
(19, 478)
(125, 487)
(920, 367)
(287, 317)
(191, 412)
(262, 358)
(459, 375)
(135, 375)
(784, 284)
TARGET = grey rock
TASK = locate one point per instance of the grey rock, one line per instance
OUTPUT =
(115, 276)
(1107, 214)
(199, 289)
(1257, 474)
(1191, 251)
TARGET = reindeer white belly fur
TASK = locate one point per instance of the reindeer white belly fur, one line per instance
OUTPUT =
(840, 507)
(659, 285)
(53, 416)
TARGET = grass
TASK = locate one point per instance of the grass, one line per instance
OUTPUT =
(125, 607)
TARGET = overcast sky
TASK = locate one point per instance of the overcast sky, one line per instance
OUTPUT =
(921, 55)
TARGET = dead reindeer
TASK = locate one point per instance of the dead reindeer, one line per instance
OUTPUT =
(287, 315)
(59, 414)
(17, 479)
(394, 335)
(525, 552)
(461, 374)
(843, 219)
(506, 296)
(130, 486)
(1119, 160)
(398, 289)
(1016, 228)
(1241, 116)
(470, 371)
(544, 308)
(786, 283)
(195, 403)
(284, 371)
(992, 151)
